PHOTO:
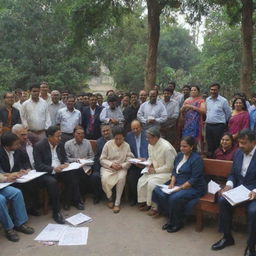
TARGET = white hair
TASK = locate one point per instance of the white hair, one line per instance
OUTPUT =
(17, 127)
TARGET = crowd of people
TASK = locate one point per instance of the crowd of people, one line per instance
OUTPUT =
(47, 131)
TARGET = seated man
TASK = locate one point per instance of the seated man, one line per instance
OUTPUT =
(243, 172)
(139, 147)
(80, 148)
(50, 157)
(18, 206)
(95, 176)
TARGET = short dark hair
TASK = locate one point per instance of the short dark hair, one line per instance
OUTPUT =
(243, 101)
(112, 98)
(189, 140)
(117, 130)
(215, 84)
(51, 130)
(186, 86)
(71, 96)
(78, 127)
(173, 83)
(247, 134)
(167, 90)
(8, 138)
(31, 87)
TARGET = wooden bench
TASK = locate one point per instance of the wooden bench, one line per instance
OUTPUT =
(44, 193)
(207, 203)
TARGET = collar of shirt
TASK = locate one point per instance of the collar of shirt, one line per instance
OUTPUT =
(70, 111)
(251, 153)
(52, 147)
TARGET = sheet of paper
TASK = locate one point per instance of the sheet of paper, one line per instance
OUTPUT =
(168, 190)
(86, 161)
(237, 195)
(74, 236)
(213, 187)
(5, 184)
(138, 161)
(52, 232)
(33, 174)
(72, 166)
(144, 170)
(78, 219)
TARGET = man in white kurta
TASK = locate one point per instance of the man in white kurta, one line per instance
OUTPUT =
(161, 157)
(113, 154)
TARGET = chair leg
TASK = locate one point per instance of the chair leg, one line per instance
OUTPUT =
(199, 220)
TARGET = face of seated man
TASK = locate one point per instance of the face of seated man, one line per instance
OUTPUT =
(246, 145)
(79, 136)
(55, 138)
(106, 132)
(136, 127)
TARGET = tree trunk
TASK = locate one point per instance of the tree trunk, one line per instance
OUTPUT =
(154, 12)
(247, 49)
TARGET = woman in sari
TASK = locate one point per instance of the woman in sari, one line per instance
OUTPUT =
(192, 111)
(239, 119)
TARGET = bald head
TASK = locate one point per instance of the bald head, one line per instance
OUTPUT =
(136, 127)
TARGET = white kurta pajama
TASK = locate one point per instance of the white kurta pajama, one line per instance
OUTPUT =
(111, 153)
(162, 156)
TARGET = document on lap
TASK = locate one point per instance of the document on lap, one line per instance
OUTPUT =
(5, 184)
(167, 190)
(33, 174)
(213, 187)
(138, 161)
(79, 164)
(237, 195)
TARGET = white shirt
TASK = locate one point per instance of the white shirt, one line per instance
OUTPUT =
(55, 159)
(246, 162)
(35, 115)
(138, 141)
(29, 150)
(17, 105)
(180, 164)
(11, 158)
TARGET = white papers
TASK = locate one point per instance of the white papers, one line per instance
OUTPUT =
(237, 195)
(213, 187)
(74, 236)
(64, 234)
(78, 219)
(77, 165)
(33, 174)
(138, 161)
(52, 232)
(144, 170)
(167, 190)
(5, 184)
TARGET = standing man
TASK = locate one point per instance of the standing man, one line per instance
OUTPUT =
(112, 114)
(23, 98)
(68, 118)
(143, 96)
(55, 106)
(50, 157)
(34, 113)
(152, 112)
(217, 115)
(44, 92)
(139, 147)
(9, 115)
(91, 119)
(174, 94)
(95, 176)
(243, 172)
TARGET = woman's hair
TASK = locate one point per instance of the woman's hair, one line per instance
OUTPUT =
(196, 86)
(243, 102)
(190, 141)
(230, 137)
(117, 131)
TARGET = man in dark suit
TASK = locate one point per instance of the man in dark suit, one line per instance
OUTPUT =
(95, 178)
(243, 173)
(139, 147)
(91, 119)
(50, 157)
(9, 116)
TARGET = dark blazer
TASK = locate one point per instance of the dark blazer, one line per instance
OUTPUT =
(191, 171)
(4, 115)
(4, 161)
(86, 113)
(99, 146)
(249, 181)
(130, 139)
(43, 157)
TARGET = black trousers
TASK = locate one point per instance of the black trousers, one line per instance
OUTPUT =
(133, 175)
(96, 186)
(225, 219)
(213, 135)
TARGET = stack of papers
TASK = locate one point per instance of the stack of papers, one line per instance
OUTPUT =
(138, 161)
(213, 187)
(78, 219)
(237, 195)
(33, 174)
(64, 234)
(167, 190)
(79, 164)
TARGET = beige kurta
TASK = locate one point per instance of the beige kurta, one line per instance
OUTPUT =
(162, 156)
(111, 153)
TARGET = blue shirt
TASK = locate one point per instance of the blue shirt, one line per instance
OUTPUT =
(217, 110)
(138, 139)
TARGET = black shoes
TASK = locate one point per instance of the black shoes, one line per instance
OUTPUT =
(166, 226)
(25, 229)
(96, 200)
(222, 243)
(11, 235)
(250, 252)
(34, 212)
(58, 218)
(173, 229)
(79, 206)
